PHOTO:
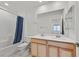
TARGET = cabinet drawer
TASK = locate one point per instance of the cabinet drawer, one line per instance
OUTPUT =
(61, 44)
(39, 41)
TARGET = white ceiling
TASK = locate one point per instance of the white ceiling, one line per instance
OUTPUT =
(22, 6)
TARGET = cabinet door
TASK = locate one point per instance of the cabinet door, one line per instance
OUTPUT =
(34, 49)
(65, 53)
(41, 50)
(53, 51)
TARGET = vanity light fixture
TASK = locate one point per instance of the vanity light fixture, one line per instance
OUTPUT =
(40, 1)
(6, 4)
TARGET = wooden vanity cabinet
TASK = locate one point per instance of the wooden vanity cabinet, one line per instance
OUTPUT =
(34, 49)
(41, 50)
(61, 49)
(65, 52)
(52, 51)
(38, 48)
(46, 48)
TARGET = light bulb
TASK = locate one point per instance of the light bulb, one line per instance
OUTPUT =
(40, 1)
(6, 4)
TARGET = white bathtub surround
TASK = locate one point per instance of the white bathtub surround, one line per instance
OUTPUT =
(6, 41)
(24, 47)
(19, 54)
(9, 50)
(23, 50)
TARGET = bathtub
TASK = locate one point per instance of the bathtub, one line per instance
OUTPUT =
(7, 51)
(7, 47)
(5, 41)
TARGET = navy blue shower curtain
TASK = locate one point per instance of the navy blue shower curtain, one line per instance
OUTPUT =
(19, 29)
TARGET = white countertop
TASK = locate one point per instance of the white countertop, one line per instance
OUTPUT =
(54, 38)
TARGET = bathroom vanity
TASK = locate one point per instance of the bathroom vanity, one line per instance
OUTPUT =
(51, 46)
